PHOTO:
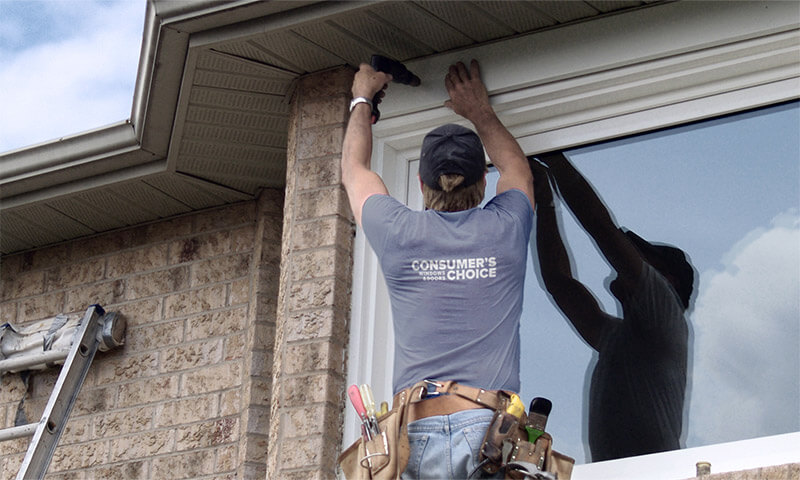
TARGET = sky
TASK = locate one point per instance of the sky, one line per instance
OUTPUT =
(66, 67)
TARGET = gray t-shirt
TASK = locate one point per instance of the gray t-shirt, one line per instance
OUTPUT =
(455, 281)
(639, 382)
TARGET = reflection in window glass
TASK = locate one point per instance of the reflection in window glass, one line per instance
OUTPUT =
(727, 192)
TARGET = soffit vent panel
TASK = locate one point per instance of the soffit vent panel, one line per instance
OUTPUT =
(247, 83)
(366, 26)
(216, 59)
(79, 208)
(40, 223)
(226, 153)
(606, 6)
(236, 134)
(469, 20)
(263, 169)
(193, 192)
(524, 17)
(151, 199)
(215, 69)
(352, 50)
(561, 12)
(118, 206)
(224, 118)
(11, 243)
(284, 50)
(215, 97)
(235, 125)
(236, 179)
(115, 211)
(417, 23)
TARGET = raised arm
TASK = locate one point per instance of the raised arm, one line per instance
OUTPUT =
(359, 181)
(572, 297)
(593, 216)
(469, 98)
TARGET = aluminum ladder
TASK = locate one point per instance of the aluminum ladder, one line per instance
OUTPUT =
(97, 330)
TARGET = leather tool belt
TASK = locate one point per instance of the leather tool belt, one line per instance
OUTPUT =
(386, 456)
(442, 405)
(446, 398)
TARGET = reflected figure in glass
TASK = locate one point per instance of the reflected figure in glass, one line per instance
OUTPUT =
(636, 396)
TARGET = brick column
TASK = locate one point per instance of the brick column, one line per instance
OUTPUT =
(311, 335)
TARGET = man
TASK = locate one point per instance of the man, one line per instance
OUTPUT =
(455, 272)
(637, 389)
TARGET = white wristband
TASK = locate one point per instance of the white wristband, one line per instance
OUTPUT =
(358, 100)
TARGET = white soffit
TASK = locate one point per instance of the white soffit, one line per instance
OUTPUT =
(232, 119)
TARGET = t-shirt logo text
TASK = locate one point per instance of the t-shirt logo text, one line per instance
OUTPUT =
(456, 268)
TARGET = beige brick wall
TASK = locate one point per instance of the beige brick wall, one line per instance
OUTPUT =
(187, 395)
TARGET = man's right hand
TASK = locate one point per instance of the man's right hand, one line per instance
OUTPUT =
(368, 82)
(359, 181)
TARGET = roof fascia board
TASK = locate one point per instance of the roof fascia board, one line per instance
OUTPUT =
(48, 157)
(180, 10)
(158, 88)
(146, 61)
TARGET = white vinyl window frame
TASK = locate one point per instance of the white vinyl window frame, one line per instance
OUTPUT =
(570, 86)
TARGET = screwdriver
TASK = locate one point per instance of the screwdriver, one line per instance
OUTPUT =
(369, 406)
(358, 404)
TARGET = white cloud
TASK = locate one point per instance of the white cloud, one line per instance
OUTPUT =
(746, 375)
(83, 81)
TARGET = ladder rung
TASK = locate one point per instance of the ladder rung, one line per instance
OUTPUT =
(29, 361)
(18, 432)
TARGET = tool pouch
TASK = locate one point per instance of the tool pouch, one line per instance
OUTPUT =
(502, 430)
(385, 456)
(505, 446)
(537, 457)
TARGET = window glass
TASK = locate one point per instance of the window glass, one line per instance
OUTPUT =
(727, 192)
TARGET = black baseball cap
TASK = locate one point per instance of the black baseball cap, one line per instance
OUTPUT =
(669, 260)
(451, 149)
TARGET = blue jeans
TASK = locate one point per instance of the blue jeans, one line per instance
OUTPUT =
(447, 446)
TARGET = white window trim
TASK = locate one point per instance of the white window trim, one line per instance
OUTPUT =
(576, 85)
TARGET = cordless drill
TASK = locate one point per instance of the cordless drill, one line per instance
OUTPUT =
(399, 73)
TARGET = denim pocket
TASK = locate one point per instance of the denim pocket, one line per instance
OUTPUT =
(473, 435)
(417, 441)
